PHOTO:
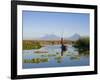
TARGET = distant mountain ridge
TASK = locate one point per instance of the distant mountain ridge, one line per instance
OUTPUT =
(74, 37)
(50, 37)
(55, 37)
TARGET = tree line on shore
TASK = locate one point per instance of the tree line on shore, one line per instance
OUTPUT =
(82, 44)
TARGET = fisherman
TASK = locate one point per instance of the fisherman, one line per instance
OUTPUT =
(63, 47)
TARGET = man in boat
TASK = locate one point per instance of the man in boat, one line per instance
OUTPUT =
(63, 47)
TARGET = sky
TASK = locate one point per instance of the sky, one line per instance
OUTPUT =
(38, 24)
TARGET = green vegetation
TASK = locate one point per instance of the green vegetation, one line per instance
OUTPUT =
(75, 57)
(82, 44)
(48, 55)
(36, 60)
(27, 45)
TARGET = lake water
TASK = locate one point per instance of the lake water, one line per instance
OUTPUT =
(52, 57)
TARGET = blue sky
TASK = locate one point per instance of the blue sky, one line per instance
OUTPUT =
(38, 24)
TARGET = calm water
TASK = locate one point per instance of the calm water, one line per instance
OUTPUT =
(53, 58)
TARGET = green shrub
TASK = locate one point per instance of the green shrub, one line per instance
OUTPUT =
(31, 45)
(83, 43)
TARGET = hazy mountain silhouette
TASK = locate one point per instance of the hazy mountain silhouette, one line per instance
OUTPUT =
(55, 37)
(74, 37)
(50, 37)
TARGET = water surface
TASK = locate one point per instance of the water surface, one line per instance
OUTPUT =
(52, 57)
